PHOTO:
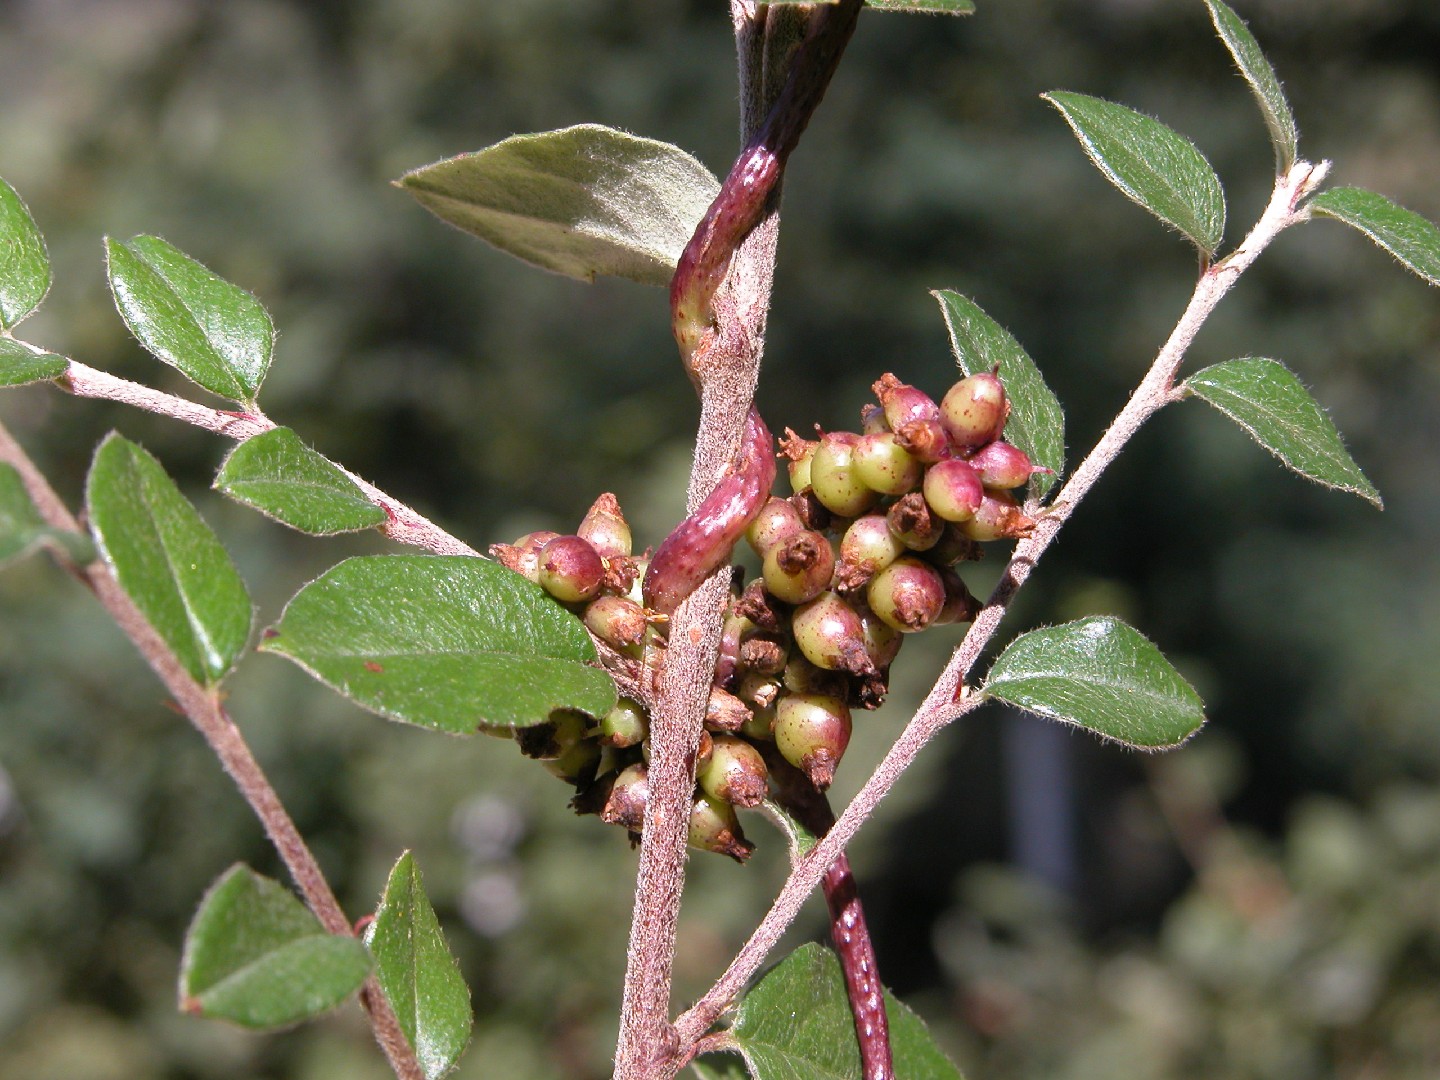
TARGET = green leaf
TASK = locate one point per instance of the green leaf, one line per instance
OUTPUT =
(1102, 675)
(167, 559)
(1153, 165)
(447, 642)
(1037, 423)
(798, 838)
(721, 1066)
(796, 1025)
(417, 972)
(24, 266)
(280, 476)
(1262, 79)
(22, 363)
(216, 334)
(580, 201)
(1267, 400)
(1405, 234)
(22, 529)
(255, 956)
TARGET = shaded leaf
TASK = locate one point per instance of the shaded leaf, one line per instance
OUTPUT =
(798, 837)
(280, 476)
(580, 201)
(216, 334)
(167, 559)
(445, 642)
(721, 1066)
(417, 972)
(22, 363)
(24, 266)
(22, 529)
(256, 957)
(1262, 79)
(796, 1025)
(1153, 165)
(1412, 239)
(1266, 399)
(1037, 422)
(1102, 675)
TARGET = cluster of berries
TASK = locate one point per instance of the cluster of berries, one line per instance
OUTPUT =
(861, 554)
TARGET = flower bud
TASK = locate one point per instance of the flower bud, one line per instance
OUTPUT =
(833, 478)
(952, 488)
(883, 465)
(828, 631)
(1001, 466)
(714, 827)
(799, 568)
(907, 595)
(570, 569)
(735, 773)
(811, 732)
(974, 410)
(605, 528)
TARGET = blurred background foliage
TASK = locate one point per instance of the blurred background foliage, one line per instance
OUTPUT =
(1260, 904)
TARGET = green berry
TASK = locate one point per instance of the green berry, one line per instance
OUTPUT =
(828, 632)
(799, 568)
(778, 520)
(714, 827)
(605, 528)
(624, 725)
(883, 465)
(953, 489)
(833, 478)
(1001, 466)
(626, 803)
(998, 517)
(616, 620)
(907, 595)
(570, 569)
(974, 410)
(912, 522)
(811, 732)
(735, 772)
(867, 547)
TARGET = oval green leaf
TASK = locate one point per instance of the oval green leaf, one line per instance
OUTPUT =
(21, 362)
(1102, 675)
(22, 529)
(417, 972)
(1412, 239)
(216, 334)
(280, 476)
(1037, 422)
(1265, 85)
(1266, 399)
(167, 559)
(24, 266)
(1156, 167)
(256, 957)
(796, 1022)
(447, 642)
(581, 201)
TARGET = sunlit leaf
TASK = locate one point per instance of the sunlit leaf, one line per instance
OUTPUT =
(417, 972)
(283, 478)
(1262, 79)
(1267, 400)
(1412, 239)
(445, 642)
(22, 363)
(256, 957)
(1102, 675)
(215, 333)
(1153, 165)
(24, 266)
(167, 559)
(581, 201)
(1037, 423)
(796, 1024)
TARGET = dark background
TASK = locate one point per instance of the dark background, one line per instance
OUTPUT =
(1260, 904)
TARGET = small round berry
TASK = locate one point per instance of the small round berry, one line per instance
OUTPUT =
(761, 726)
(867, 547)
(578, 762)
(616, 620)
(974, 410)
(724, 711)
(953, 490)
(714, 827)
(811, 732)
(828, 631)
(912, 522)
(803, 677)
(570, 569)
(624, 725)
(1002, 466)
(833, 478)
(907, 595)
(872, 420)
(884, 466)
(605, 528)
(735, 773)
(764, 655)
(799, 452)
(778, 519)
(560, 731)
(628, 795)
(924, 440)
(882, 641)
(999, 517)
(903, 403)
(799, 568)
